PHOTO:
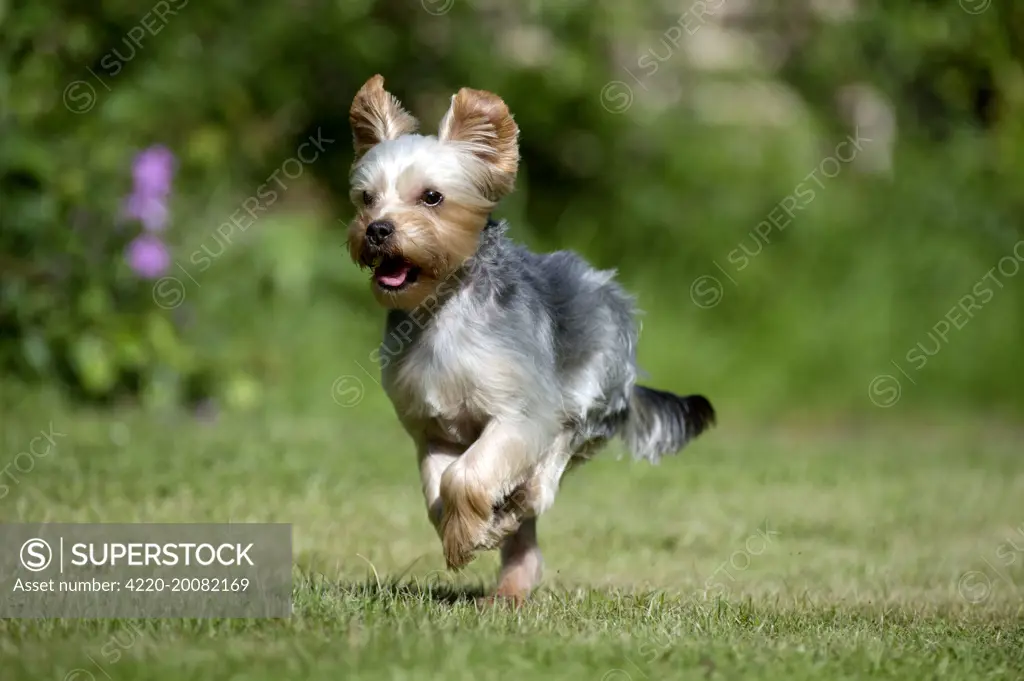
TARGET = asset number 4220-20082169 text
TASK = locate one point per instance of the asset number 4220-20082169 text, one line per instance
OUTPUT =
(207, 584)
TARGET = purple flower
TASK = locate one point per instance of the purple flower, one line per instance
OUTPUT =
(148, 256)
(150, 210)
(152, 172)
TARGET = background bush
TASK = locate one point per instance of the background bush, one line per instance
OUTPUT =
(725, 119)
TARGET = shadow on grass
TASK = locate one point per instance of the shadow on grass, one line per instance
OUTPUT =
(439, 587)
(436, 586)
(439, 591)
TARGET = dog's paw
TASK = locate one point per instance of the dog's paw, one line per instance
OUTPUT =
(460, 538)
(510, 512)
(517, 504)
(471, 520)
(466, 515)
(464, 534)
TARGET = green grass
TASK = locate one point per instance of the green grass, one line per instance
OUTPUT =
(652, 572)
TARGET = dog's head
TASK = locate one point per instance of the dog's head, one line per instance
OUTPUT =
(422, 201)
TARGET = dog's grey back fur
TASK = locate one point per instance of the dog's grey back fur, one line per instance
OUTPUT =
(575, 329)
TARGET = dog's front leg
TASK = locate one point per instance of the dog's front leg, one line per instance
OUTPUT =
(435, 458)
(496, 464)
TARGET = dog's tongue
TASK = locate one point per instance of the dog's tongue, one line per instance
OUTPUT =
(392, 273)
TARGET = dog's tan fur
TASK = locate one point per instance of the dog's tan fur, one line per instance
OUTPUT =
(482, 121)
(377, 115)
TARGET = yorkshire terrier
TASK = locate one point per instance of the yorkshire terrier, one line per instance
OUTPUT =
(505, 367)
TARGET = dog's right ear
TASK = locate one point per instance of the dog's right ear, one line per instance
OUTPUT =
(377, 115)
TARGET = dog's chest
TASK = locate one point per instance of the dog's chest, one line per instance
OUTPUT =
(445, 378)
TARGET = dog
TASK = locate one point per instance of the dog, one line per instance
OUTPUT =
(506, 368)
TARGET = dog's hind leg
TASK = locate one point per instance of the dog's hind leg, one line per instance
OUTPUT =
(521, 564)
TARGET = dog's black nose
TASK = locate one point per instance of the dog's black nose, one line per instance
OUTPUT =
(378, 231)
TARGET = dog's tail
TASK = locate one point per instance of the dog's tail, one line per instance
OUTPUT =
(661, 422)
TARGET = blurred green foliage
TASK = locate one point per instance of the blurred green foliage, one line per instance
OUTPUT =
(656, 139)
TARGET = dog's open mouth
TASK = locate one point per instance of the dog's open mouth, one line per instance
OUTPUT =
(394, 273)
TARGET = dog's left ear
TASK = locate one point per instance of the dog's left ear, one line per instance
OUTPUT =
(482, 122)
(377, 115)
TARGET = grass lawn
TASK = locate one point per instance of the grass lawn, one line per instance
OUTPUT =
(781, 554)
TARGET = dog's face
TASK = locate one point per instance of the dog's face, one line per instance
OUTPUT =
(422, 201)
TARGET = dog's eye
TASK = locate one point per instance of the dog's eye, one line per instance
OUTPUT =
(367, 199)
(431, 198)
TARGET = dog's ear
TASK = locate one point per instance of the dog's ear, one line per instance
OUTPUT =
(482, 122)
(377, 115)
